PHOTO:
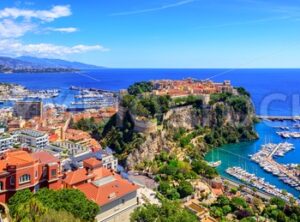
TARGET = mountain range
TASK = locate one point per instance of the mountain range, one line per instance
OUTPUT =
(33, 64)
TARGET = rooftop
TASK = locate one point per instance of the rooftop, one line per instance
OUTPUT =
(15, 158)
(81, 175)
(30, 132)
(20, 158)
(92, 162)
(105, 185)
(107, 189)
(44, 157)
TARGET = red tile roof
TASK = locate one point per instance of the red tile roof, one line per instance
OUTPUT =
(44, 157)
(77, 176)
(92, 162)
(17, 158)
(105, 187)
(81, 175)
(108, 192)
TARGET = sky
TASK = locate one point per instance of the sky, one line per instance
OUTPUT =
(155, 33)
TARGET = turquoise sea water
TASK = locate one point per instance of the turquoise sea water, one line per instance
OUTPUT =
(273, 91)
(238, 154)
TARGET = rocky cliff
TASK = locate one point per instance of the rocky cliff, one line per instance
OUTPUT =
(184, 126)
(222, 121)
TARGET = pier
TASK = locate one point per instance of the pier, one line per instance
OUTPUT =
(264, 158)
(274, 151)
(280, 118)
(260, 183)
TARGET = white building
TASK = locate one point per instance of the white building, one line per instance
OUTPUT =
(6, 142)
(32, 138)
(109, 161)
(71, 148)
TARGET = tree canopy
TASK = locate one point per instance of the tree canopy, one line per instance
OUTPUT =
(140, 87)
(168, 212)
(26, 206)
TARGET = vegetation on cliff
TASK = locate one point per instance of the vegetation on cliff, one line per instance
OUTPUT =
(148, 106)
(228, 118)
(123, 140)
(139, 88)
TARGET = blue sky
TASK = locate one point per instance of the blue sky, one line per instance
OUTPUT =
(156, 33)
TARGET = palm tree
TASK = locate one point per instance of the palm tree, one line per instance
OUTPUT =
(30, 211)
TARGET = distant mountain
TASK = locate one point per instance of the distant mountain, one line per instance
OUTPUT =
(10, 63)
(32, 64)
(57, 63)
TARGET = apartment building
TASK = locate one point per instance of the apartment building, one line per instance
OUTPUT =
(32, 138)
(6, 142)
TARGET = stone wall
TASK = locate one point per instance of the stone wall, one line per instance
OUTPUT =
(143, 125)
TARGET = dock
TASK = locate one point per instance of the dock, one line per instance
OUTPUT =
(280, 118)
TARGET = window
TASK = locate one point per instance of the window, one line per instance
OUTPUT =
(1, 185)
(24, 179)
(36, 174)
(12, 180)
(53, 172)
(44, 175)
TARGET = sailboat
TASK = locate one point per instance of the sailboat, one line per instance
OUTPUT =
(215, 164)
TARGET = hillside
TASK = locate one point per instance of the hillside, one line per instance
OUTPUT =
(58, 63)
(31, 64)
(187, 127)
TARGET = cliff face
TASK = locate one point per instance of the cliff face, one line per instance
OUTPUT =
(153, 145)
(223, 121)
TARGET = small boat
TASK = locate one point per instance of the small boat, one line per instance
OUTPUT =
(215, 164)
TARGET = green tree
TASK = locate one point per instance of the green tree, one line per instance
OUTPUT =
(17, 199)
(24, 203)
(280, 203)
(185, 189)
(238, 203)
(168, 212)
(57, 216)
(140, 87)
(29, 211)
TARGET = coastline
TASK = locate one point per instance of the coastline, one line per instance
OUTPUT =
(238, 155)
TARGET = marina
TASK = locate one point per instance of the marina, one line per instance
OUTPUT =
(265, 159)
(91, 98)
(285, 134)
(240, 155)
(259, 183)
(12, 93)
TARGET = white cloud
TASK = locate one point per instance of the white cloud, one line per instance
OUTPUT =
(16, 22)
(65, 29)
(11, 29)
(44, 15)
(17, 48)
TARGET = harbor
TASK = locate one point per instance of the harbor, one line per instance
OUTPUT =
(75, 99)
(284, 158)
(265, 160)
(91, 98)
(259, 183)
(14, 92)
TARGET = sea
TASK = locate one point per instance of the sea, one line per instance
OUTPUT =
(273, 92)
